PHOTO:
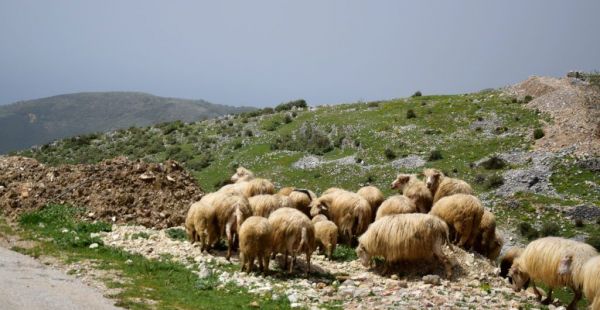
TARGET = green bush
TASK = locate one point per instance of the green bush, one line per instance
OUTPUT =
(410, 114)
(435, 155)
(527, 99)
(494, 181)
(344, 253)
(176, 234)
(550, 229)
(389, 154)
(493, 162)
(373, 104)
(300, 103)
(248, 133)
(287, 119)
(527, 231)
(538, 133)
(417, 94)
(594, 241)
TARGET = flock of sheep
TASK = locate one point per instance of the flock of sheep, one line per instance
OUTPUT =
(412, 226)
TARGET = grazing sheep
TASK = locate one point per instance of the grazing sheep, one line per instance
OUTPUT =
(487, 235)
(237, 188)
(230, 213)
(397, 204)
(492, 248)
(203, 219)
(415, 189)
(589, 279)
(255, 242)
(258, 186)
(349, 211)
(405, 237)
(442, 186)
(285, 191)
(507, 260)
(284, 201)
(555, 261)
(191, 216)
(333, 190)
(263, 205)
(463, 214)
(319, 218)
(292, 233)
(326, 235)
(242, 175)
(301, 199)
(373, 195)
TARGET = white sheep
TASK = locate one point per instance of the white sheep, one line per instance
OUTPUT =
(416, 190)
(397, 204)
(292, 233)
(442, 186)
(255, 242)
(463, 214)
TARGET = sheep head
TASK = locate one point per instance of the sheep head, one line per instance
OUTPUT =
(365, 258)
(242, 174)
(520, 278)
(433, 177)
(318, 206)
(401, 181)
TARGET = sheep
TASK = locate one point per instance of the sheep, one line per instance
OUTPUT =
(326, 235)
(263, 205)
(555, 261)
(285, 191)
(333, 190)
(410, 186)
(507, 260)
(396, 204)
(405, 237)
(230, 212)
(349, 211)
(492, 248)
(442, 186)
(486, 240)
(202, 221)
(255, 242)
(463, 214)
(285, 201)
(319, 218)
(258, 186)
(301, 199)
(235, 188)
(589, 279)
(373, 195)
(242, 175)
(292, 233)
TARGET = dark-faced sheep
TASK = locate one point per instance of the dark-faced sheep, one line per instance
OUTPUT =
(349, 211)
(443, 186)
(589, 279)
(373, 195)
(397, 204)
(416, 190)
(555, 261)
(463, 214)
(292, 233)
(507, 260)
(230, 213)
(255, 242)
(326, 235)
(405, 237)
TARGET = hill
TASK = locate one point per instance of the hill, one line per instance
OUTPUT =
(34, 122)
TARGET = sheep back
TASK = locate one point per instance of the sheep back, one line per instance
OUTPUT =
(463, 215)
(397, 204)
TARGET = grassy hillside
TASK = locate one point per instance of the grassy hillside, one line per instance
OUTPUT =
(39, 121)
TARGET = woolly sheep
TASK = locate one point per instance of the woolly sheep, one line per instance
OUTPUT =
(319, 218)
(486, 239)
(463, 214)
(258, 186)
(442, 186)
(507, 260)
(191, 216)
(230, 213)
(396, 204)
(589, 279)
(292, 233)
(285, 191)
(242, 174)
(555, 261)
(263, 205)
(373, 195)
(301, 199)
(203, 218)
(349, 211)
(326, 235)
(332, 190)
(405, 237)
(255, 242)
(410, 186)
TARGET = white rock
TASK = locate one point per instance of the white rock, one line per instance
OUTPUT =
(293, 297)
(64, 230)
(93, 245)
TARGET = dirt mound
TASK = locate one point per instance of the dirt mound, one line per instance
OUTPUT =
(117, 190)
(574, 106)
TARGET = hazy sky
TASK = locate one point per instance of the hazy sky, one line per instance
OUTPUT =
(261, 53)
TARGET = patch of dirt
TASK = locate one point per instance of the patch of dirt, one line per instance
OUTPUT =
(116, 190)
(574, 106)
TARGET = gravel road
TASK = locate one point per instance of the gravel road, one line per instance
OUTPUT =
(27, 284)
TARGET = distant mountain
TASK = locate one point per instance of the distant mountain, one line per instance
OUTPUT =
(33, 122)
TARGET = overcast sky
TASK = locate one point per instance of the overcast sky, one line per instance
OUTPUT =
(261, 53)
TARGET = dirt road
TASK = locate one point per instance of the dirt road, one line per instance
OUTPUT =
(27, 284)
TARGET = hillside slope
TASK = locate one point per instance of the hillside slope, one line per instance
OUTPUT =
(27, 123)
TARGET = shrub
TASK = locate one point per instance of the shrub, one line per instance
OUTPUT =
(594, 241)
(494, 181)
(176, 234)
(527, 99)
(199, 163)
(300, 103)
(237, 145)
(410, 114)
(417, 94)
(579, 223)
(538, 133)
(435, 155)
(527, 231)
(344, 253)
(373, 104)
(389, 154)
(287, 119)
(493, 162)
(550, 229)
(248, 133)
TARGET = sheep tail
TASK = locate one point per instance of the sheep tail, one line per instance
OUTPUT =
(304, 191)
(303, 239)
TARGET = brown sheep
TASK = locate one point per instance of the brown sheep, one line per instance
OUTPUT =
(292, 233)
(332, 190)
(285, 191)
(507, 260)
(258, 186)
(242, 175)
(463, 214)
(255, 242)
(589, 279)
(373, 195)
(319, 218)
(410, 186)
(396, 204)
(349, 211)
(442, 186)
(555, 261)
(263, 205)
(203, 219)
(191, 216)
(405, 237)
(230, 213)
(326, 235)
(487, 234)
(301, 199)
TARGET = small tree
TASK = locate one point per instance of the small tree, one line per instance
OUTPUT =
(417, 94)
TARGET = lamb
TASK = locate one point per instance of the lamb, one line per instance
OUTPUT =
(263, 205)
(349, 211)
(326, 235)
(319, 218)
(230, 213)
(555, 261)
(396, 204)
(463, 215)
(373, 195)
(589, 279)
(442, 186)
(292, 233)
(415, 189)
(405, 237)
(255, 242)
(507, 260)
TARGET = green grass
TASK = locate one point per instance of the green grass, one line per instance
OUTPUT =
(170, 284)
(570, 179)
(344, 253)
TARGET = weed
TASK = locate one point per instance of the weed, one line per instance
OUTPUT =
(176, 234)
(140, 235)
(538, 133)
(527, 99)
(417, 94)
(494, 181)
(579, 223)
(410, 114)
(344, 253)
(594, 241)
(493, 162)
(373, 104)
(389, 154)
(527, 231)
(550, 229)
(435, 155)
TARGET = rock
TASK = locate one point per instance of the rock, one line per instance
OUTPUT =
(128, 262)
(432, 279)
(295, 305)
(64, 230)
(254, 304)
(346, 291)
(93, 245)
(394, 277)
(402, 283)
(204, 272)
(293, 297)
(348, 283)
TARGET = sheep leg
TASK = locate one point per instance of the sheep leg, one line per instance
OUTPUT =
(330, 252)
(437, 252)
(229, 239)
(536, 291)
(250, 263)
(576, 298)
(458, 227)
(548, 299)
(465, 235)
(307, 262)
(285, 260)
(292, 262)
(242, 261)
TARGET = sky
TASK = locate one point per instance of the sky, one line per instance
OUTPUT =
(261, 53)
